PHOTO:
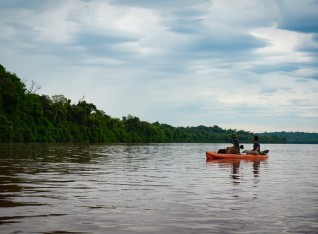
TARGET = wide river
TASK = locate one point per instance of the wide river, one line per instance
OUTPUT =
(156, 188)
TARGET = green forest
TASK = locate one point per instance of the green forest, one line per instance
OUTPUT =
(26, 116)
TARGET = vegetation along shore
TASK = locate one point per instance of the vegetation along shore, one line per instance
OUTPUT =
(29, 117)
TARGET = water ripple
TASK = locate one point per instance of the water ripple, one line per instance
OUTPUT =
(155, 188)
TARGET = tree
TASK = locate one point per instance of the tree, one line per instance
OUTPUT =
(28, 117)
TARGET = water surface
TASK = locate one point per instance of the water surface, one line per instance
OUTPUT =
(156, 188)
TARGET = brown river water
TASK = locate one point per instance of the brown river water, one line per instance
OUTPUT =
(156, 188)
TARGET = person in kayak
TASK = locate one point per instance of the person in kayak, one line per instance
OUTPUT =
(256, 147)
(235, 149)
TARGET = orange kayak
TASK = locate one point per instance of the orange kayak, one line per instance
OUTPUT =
(215, 155)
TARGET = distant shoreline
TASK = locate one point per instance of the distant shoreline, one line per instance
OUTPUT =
(27, 117)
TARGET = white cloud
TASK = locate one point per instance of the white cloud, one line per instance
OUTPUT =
(182, 63)
(243, 14)
(283, 45)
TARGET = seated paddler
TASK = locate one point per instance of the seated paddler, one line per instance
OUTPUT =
(235, 149)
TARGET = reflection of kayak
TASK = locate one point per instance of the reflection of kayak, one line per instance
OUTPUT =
(215, 155)
(225, 162)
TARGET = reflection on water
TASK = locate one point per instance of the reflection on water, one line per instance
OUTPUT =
(154, 188)
(234, 165)
(29, 174)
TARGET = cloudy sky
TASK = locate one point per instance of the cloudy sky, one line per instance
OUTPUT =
(248, 64)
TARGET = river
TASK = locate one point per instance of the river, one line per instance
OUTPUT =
(156, 188)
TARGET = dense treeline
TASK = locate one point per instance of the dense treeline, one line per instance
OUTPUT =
(296, 137)
(28, 117)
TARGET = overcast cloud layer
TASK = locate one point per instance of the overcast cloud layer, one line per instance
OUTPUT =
(248, 64)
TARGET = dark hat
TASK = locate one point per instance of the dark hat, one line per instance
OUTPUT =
(234, 135)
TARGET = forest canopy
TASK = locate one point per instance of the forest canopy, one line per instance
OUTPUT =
(29, 117)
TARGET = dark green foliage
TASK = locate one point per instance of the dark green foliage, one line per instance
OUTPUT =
(29, 117)
(295, 137)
